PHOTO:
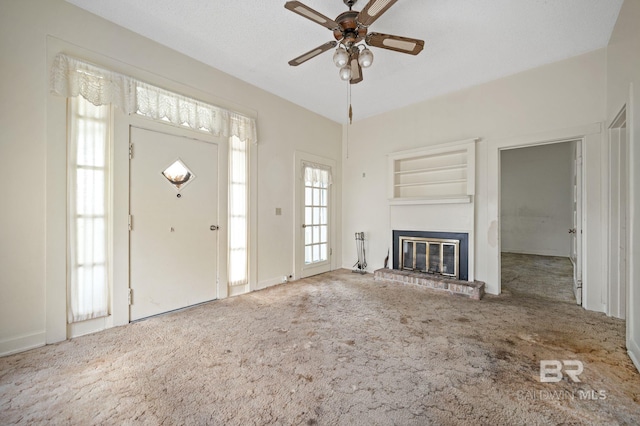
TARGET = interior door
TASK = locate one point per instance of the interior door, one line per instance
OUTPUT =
(316, 210)
(173, 222)
(576, 231)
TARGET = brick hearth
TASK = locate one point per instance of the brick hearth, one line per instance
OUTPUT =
(471, 289)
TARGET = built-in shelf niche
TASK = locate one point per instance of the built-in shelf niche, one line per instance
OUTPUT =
(442, 173)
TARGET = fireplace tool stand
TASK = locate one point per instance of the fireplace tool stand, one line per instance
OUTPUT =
(361, 264)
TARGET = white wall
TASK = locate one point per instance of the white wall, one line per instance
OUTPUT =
(536, 199)
(623, 88)
(551, 101)
(32, 234)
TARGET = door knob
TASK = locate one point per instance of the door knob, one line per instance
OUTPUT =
(214, 227)
(572, 230)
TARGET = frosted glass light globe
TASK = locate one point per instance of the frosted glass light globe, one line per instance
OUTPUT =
(366, 58)
(340, 57)
(345, 73)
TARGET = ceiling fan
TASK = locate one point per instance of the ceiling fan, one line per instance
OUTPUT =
(349, 29)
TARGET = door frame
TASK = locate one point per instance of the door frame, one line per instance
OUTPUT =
(298, 198)
(619, 211)
(489, 219)
(577, 257)
(633, 284)
(632, 317)
(577, 201)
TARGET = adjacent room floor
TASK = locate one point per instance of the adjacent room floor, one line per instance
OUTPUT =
(338, 348)
(546, 277)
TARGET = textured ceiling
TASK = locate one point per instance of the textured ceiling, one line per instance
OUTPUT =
(467, 42)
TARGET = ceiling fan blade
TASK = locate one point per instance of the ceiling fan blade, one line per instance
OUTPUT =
(307, 12)
(408, 45)
(373, 10)
(356, 70)
(312, 53)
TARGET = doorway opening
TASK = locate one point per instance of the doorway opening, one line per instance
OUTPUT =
(540, 220)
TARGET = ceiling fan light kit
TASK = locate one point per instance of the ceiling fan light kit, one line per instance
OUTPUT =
(350, 29)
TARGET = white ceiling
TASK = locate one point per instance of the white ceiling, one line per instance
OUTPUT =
(467, 42)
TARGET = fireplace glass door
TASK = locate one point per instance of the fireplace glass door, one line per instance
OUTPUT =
(430, 255)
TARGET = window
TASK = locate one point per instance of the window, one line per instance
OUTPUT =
(88, 210)
(316, 214)
(238, 212)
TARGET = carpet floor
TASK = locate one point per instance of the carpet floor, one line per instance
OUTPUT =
(335, 349)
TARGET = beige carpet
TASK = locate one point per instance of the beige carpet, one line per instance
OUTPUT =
(333, 349)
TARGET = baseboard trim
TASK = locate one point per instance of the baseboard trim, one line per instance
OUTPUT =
(269, 283)
(236, 290)
(22, 343)
(634, 353)
(536, 253)
(90, 326)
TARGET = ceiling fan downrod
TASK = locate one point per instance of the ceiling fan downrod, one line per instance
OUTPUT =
(350, 3)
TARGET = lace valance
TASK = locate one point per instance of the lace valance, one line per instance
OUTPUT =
(316, 174)
(71, 77)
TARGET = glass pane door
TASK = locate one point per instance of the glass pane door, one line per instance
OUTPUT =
(316, 217)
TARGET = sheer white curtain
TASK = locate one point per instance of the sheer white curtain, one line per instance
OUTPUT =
(71, 77)
(88, 210)
(238, 212)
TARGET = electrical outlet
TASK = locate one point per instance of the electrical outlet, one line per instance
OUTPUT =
(284, 279)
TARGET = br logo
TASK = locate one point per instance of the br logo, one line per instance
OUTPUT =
(551, 370)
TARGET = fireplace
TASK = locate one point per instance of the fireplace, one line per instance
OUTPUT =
(441, 253)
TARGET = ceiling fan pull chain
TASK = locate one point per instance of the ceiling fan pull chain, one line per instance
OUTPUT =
(349, 102)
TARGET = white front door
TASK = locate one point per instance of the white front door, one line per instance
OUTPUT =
(173, 208)
(315, 213)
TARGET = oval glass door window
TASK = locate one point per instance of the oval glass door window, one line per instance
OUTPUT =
(178, 174)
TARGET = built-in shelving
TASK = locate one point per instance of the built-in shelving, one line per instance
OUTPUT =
(439, 174)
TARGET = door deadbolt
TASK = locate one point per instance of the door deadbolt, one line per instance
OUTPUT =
(214, 227)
